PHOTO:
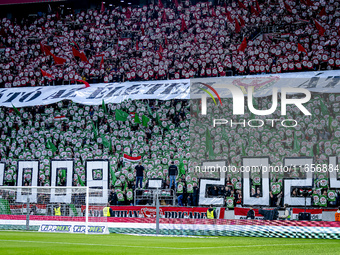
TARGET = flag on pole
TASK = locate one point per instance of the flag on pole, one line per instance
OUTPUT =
(103, 106)
(51, 146)
(241, 5)
(95, 131)
(258, 7)
(160, 4)
(102, 62)
(83, 57)
(288, 8)
(296, 145)
(324, 108)
(301, 48)
(80, 181)
(208, 143)
(183, 26)
(145, 120)
(75, 52)
(58, 60)
(243, 150)
(309, 3)
(243, 45)
(102, 9)
(242, 22)
(16, 110)
(113, 176)
(105, 142)
(237, 26)
(45, 74)
(181, 166)
(120, 115)
(137, 120)
(322, 12)
(320, 28)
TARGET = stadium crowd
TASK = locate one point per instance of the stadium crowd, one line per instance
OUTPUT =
(159, 132)
(170, 41)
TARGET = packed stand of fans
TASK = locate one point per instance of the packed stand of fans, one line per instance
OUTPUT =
(173, 41)
(315, 136)
(156, 131)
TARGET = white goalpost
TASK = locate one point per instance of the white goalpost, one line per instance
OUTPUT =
(53, 209)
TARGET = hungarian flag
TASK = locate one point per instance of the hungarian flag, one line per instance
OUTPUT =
(301, 48)
(45, 74)
(60, 117)
(137, 48)
(243, 45)
(320, 28)
(58, 60)
(127, 158)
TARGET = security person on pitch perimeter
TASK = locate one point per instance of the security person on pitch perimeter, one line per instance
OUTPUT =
(107, 211)
(57, 210)
(211, 214)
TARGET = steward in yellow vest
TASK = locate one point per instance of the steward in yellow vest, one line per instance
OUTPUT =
(211, 213)
(57, 210)
(107, 211)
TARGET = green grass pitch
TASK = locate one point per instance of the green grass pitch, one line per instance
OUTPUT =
(12, 242)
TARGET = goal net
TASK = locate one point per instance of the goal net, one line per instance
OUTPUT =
(54, 209)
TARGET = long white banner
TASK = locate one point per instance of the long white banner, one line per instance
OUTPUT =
(323, 82)
(262, 85)
(93, 95)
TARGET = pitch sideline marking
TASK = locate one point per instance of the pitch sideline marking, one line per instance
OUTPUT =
(156, 247)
